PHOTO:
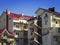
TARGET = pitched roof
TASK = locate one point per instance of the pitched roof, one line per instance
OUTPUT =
(33, 18)
(1, 30)
(13, 15)
(9, 33)
(54, 13)
(25, 16)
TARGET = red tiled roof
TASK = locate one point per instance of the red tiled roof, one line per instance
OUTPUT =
(1, 30)
(11, 33)
(13, 15)
(25, 16)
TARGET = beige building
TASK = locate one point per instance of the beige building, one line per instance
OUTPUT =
(16, 23)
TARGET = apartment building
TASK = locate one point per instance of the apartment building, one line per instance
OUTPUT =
(16, 23)
(31, 31)
(46, 27)
(50, 26)
(34, 32)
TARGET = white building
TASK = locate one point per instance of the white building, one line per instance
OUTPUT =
(50, 26)
(46, 27)
(16, 23)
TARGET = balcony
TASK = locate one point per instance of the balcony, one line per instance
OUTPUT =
(26, 29)
(16, 36)
(16, 21)
(37, 34)
(35, 40)
(15, 28)
(5, 37)
(56, 32)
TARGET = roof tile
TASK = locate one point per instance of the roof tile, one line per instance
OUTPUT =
(13, 15)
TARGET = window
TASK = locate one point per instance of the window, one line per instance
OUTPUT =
(5, 33)
(46, 32)
(46, 19)
(39, 18)
(16, 25)
(17, 42)
(9, 18)
(59, 30)
(25, 33)
(32, 23)
(32, 30)
(56, 22)
(25, 26)
(31, 42)
(17, 34)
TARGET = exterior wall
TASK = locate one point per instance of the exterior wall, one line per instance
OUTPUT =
(48, 38)
(21, 23)
(3, 26)
(16, 24)
(30, 32)
(21, 29)
(46, 23)
(3, 21)
(43, 19)
(40, 12)
(10, 24)
(50, 30)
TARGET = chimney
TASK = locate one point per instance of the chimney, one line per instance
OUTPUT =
(52, 9)
(7, 21)
(7, 12)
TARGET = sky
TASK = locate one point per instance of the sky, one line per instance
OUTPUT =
(28, 7)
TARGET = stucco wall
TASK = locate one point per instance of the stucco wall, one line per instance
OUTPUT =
(2, 20)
